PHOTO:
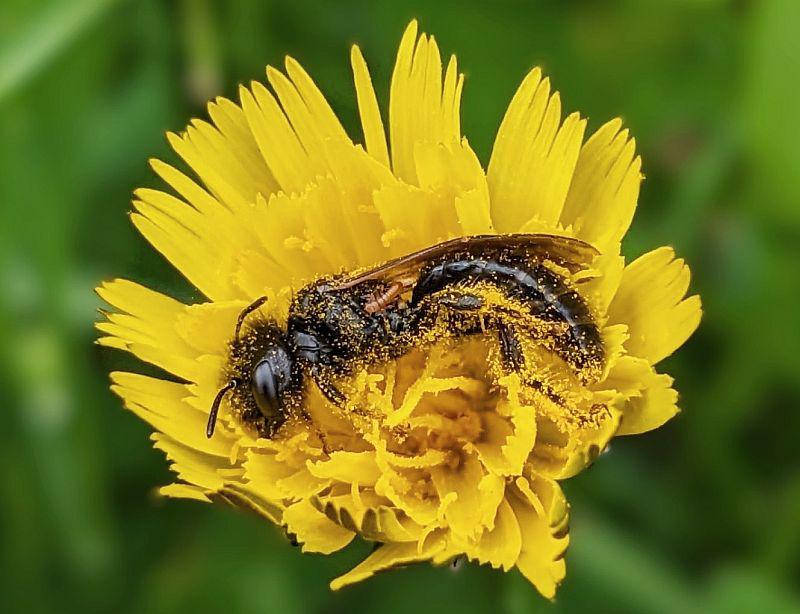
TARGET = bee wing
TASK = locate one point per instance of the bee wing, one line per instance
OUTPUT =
(573, 254)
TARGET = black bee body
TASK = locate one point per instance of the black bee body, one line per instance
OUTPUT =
(330, 329)
(339, 325)
(545, 293)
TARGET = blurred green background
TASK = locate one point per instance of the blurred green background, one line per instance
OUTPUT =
(700, 516)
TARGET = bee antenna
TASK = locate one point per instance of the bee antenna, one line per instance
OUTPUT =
(212, 416)
(246, 312)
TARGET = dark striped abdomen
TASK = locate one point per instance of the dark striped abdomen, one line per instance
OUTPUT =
(547, 295)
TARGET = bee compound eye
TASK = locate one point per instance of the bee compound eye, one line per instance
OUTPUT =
(270, 381)
(265, 388)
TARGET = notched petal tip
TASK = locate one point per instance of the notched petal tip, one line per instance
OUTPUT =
(651, 300)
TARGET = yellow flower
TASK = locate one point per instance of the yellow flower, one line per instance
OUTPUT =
(449, 455)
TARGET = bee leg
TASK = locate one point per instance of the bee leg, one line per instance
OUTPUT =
(513, 358)
(510, 349)
(459, 301)
(323, 438)
(332, 393)
(328, 390)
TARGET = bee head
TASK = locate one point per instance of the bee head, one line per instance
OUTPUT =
(261, 375)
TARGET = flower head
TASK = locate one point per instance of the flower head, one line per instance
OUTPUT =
(447, 453)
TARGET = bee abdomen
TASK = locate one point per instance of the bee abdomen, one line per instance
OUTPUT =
(546, 294)
(513, 279)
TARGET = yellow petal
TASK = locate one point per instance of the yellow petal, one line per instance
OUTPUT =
(605, 188)
(453, 172)
(386, 557)
(648, 397)
(585, 446)
(199, 243)
(230, 120)
(650, 300)
(562, 452)
(368, 514)
(614, 338)
(184, 491)
(395, 487)
(208, 327)
(277, 141)
(472, 210)
(463, 514)
(311, 130)
(491, 490)
(281, 476)
(240, 496)
(283, 237)
(162, 404)
(348, 467)
(370, 113)
(400, 485)
(499, 547)
(146, 327)
(496, 431)
(408, 213)
(294, 230)
(544, 533)
(533, 159)
(217, 233)
(325, 121)
(601, 288)
(314, 530)
(419, 109)
(230, 159)
(301, 484)
(197, 468)
(213, 167)
(506, 444)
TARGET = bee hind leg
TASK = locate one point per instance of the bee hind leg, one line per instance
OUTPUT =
(460, 301)
(513, 358)
(510, 349)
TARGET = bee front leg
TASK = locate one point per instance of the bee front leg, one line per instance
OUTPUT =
(333, 395)
(328, 389)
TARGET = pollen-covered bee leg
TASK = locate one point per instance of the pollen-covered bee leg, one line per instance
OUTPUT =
(513, 358)
(328, 390)
(510, 349)
(323, 438)
(333, 394)
(307, 416)
(459, 301)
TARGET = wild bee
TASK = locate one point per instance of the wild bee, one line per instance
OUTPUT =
(337, 325)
